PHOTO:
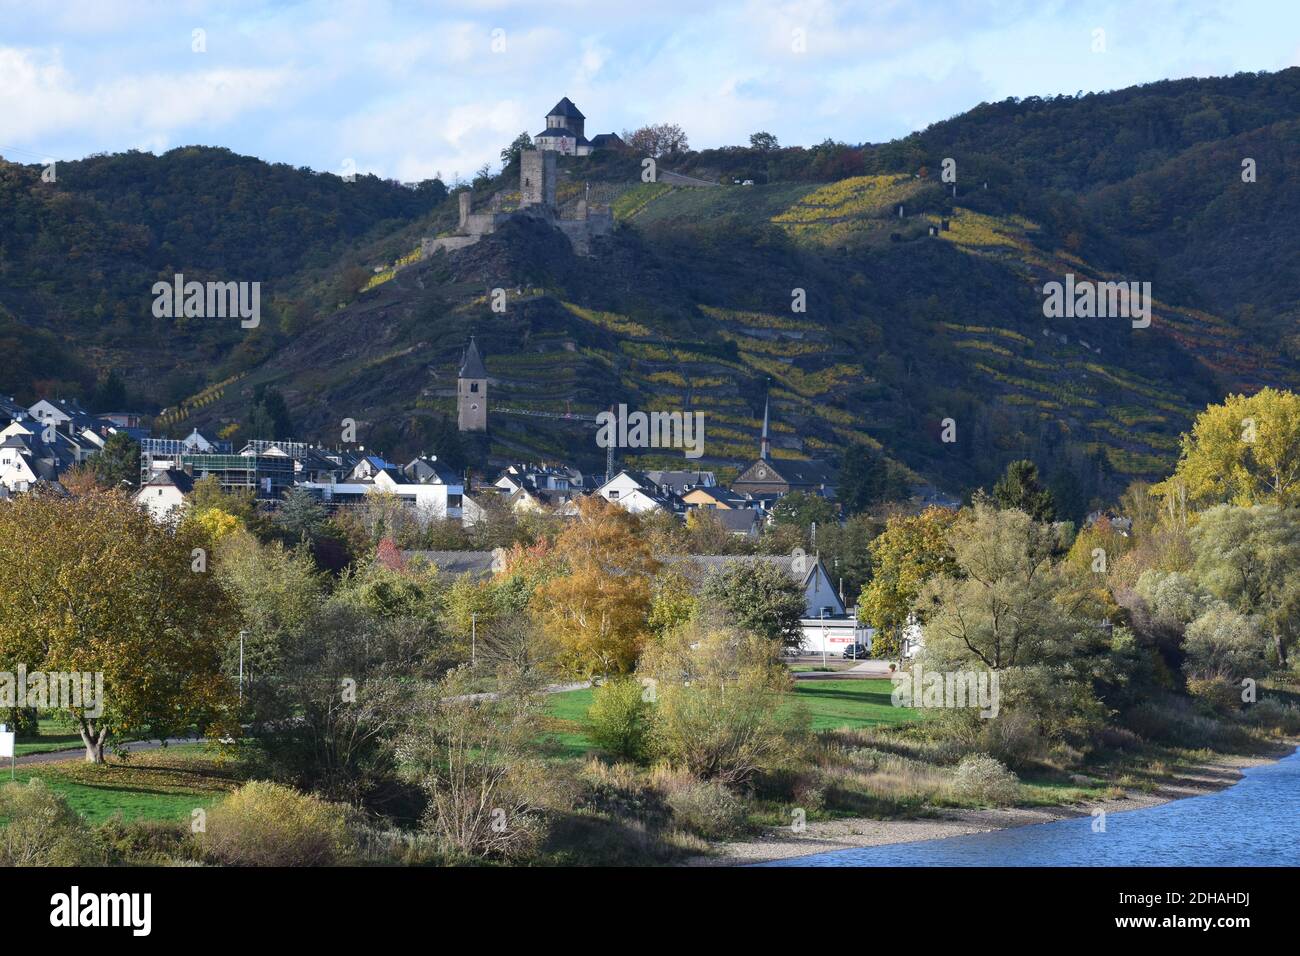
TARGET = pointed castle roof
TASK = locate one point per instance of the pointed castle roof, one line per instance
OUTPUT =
(472, 365)
(566, 108)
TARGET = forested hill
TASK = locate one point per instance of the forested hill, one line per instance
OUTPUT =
(689, 303)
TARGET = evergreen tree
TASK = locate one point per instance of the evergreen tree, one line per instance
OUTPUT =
(1019, 488)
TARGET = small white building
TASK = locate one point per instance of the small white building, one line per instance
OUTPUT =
(633, 491)
(163, 495)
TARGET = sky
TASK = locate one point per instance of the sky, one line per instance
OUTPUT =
(407, 90)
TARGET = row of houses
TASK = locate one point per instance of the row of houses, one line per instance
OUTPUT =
(40, 442)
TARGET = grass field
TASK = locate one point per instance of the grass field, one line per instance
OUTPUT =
(831, 704)
(155, 785)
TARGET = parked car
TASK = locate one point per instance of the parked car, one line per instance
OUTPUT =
(857, 652)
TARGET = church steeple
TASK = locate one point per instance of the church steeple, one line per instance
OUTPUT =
(471, 391)
(764, 446)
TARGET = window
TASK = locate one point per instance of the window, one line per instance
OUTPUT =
(613, 494)
(473, 386)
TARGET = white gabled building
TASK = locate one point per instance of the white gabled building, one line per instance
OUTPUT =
(163, 495)
(635, 492)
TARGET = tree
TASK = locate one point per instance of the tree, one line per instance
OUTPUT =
(118, 463)
(1250, 558)
(799, 509)
(911, 550)
(1019, 488)
(92, 585)
(302, 516)
(521, 142)
(597, 611)
(657, 140)
(867, 477)
(81, 480)
(268, 416)
(764, 141)
(758, 598)
(1245, 451)
(1002, 605)
(109, 394)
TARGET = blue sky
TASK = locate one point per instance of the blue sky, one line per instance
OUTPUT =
(408, 89)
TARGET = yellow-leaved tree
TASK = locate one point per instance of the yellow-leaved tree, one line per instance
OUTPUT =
(92, 585)
(1244, 452)
(597, 611)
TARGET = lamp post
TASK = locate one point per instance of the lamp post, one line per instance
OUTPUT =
(824, 665)
(241, 665)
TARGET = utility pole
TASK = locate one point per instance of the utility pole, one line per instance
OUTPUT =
(241, 665)
(473, 639)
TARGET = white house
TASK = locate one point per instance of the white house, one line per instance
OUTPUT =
(635, 492)
(163, 495)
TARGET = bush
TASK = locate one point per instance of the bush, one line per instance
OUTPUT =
(982, 778)
(265, 824)
(620, 719)
(707, 809)
(1271, 714)
(40, 829)
(146, 842)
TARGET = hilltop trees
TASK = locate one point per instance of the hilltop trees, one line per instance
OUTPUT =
(93, 585)
(657, 140)
(511, 153)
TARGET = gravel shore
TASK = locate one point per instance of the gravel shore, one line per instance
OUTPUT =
(822, 837)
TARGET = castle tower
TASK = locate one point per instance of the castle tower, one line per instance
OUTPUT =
(537, 178)
(471, 392)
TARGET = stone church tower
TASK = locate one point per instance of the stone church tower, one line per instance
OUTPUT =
(471, 392)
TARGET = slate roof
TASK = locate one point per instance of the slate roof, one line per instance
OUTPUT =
(472, 365)
(606, 141)
(566, 108)
(475, 563)
(555, 132)
(171, 476)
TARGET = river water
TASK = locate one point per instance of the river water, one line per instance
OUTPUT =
(1255, 822)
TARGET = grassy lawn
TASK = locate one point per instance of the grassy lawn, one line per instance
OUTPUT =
(157, 785)
(848, 704)
(54, 734)
(832, 705)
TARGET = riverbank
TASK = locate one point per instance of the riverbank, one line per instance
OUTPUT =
(827, 836)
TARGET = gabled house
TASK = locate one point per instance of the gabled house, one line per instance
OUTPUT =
(679, 481)
(635, 492)
(163, 495)
(780, 477)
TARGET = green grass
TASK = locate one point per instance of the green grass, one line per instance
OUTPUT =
(848, 704)
(53, 734)
(831, 704)
(154, 785)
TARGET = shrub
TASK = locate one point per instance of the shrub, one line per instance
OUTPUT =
(707, 809)
(1271, 714)
(982, 778)
(265, 824)
(40, 829)
(620, 723)
(146, 842)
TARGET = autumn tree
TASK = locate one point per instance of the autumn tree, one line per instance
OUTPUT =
(1245, 451)
(911, 550)
(597, 612)
(93, 585)
(657, 140)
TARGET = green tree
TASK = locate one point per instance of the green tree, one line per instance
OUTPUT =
(868, 477)
(1250, 558)
(302, 516)
(758, 598)
(1019, 488)
(763, 141)
(800, 509)
(511, 153)
(118, 463)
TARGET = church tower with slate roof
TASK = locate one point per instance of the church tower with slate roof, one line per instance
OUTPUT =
(471, 392)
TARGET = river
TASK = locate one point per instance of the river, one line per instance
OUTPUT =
(1255, 822)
